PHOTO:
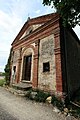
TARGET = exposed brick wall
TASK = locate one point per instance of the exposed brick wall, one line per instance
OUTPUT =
(59, 87)
(35, 67)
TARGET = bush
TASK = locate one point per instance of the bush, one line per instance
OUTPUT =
(2, 82)
(41, 96)
(8, 69)
(29, 95)
(37, 95)
(58, 103)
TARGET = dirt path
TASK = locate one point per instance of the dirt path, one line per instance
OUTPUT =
(22, 109)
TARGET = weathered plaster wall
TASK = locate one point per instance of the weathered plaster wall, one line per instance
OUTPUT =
(15, 57)
(47, 80)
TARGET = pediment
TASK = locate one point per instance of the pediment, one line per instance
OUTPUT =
(26, 30)
(31, 25)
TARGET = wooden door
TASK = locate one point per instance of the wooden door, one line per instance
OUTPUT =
(27, 68)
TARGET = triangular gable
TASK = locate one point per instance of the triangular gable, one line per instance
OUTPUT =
(31, 25)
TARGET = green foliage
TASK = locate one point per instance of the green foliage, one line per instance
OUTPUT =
(41, 96)
(7, 69)
(56, 102)
(74, 110)
(28, 95)
(69, 10)
(77, 113)
(77, 97)
(2, 74)
(2, 82)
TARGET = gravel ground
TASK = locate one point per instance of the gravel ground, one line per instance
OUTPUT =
(5, 115)
(13, 107)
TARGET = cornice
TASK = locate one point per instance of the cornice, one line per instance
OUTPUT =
(41, 29)
(33, 21)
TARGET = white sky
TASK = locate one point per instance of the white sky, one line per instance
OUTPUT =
(13, 14)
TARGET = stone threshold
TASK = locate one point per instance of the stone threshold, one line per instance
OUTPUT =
(22, 86)
(20, 89)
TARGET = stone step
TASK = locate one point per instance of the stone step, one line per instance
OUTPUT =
(16, 91)
(22, 86)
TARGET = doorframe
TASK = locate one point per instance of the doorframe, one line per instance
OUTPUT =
(27, 52)
(24, 68)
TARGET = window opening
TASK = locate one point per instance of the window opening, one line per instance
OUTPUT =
(46, 67)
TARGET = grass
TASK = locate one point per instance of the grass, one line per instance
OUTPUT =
(2, 82)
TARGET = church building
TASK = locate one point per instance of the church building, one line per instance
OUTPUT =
(46, 56)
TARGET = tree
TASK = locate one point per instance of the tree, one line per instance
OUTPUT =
(8, 70)
(69, 10)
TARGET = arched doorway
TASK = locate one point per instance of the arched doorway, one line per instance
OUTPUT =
(27, 65)
(26, 73)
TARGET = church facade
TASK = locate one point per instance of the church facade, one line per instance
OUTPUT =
(44, 55)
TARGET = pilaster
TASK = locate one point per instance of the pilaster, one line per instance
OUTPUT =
(35, 67)
(57, 50)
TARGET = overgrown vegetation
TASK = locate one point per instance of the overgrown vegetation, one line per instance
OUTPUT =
(37, 95)
(76, 106)
(77, 97)
(57, 102)
(2, 82)
(7, 69)
(74, 110)
(2, 74)
(41, 96)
